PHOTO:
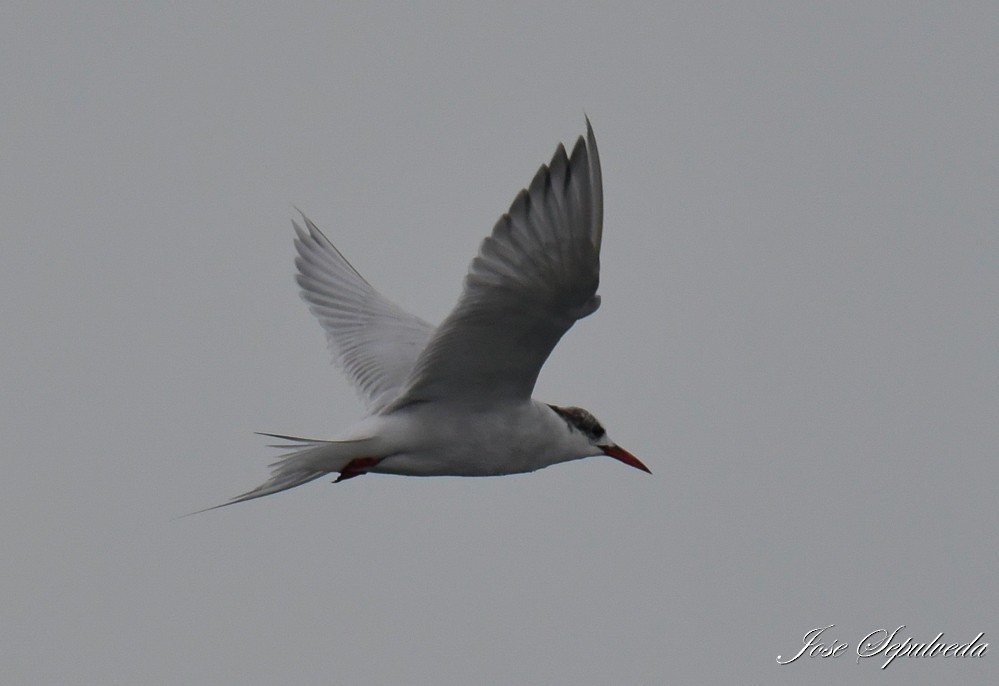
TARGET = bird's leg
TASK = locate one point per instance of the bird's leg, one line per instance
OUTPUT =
(356, 467)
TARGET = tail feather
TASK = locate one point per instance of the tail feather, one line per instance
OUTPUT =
(290, 441)
(310, 460)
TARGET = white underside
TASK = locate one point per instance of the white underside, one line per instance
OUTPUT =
(435, 440)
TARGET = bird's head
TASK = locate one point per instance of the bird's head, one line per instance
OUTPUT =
(586, 426)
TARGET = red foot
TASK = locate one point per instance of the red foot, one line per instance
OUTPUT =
(356, 467)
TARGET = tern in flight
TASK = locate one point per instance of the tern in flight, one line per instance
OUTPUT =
(455, 400)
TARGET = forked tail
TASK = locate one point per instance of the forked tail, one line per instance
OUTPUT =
(308, 460)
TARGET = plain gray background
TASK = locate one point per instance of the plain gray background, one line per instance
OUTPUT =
(798, 335)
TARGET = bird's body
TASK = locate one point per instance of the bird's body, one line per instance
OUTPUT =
(455, 400)
(516, 438)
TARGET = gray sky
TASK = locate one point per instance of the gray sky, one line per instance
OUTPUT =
(798, 335)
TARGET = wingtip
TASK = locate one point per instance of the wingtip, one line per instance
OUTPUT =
(596, 181)
(591, 138)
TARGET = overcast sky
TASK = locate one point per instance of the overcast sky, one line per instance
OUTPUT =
(798, 335)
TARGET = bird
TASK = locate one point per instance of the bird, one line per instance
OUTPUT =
(456, 399)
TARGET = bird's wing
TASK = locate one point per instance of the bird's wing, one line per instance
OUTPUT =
(532, 279)
(372, 339)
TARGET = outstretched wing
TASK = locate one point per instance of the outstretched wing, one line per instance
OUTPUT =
(372, 339)
(532, 279)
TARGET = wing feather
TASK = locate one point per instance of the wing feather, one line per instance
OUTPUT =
(372, 339)
(534, 276)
